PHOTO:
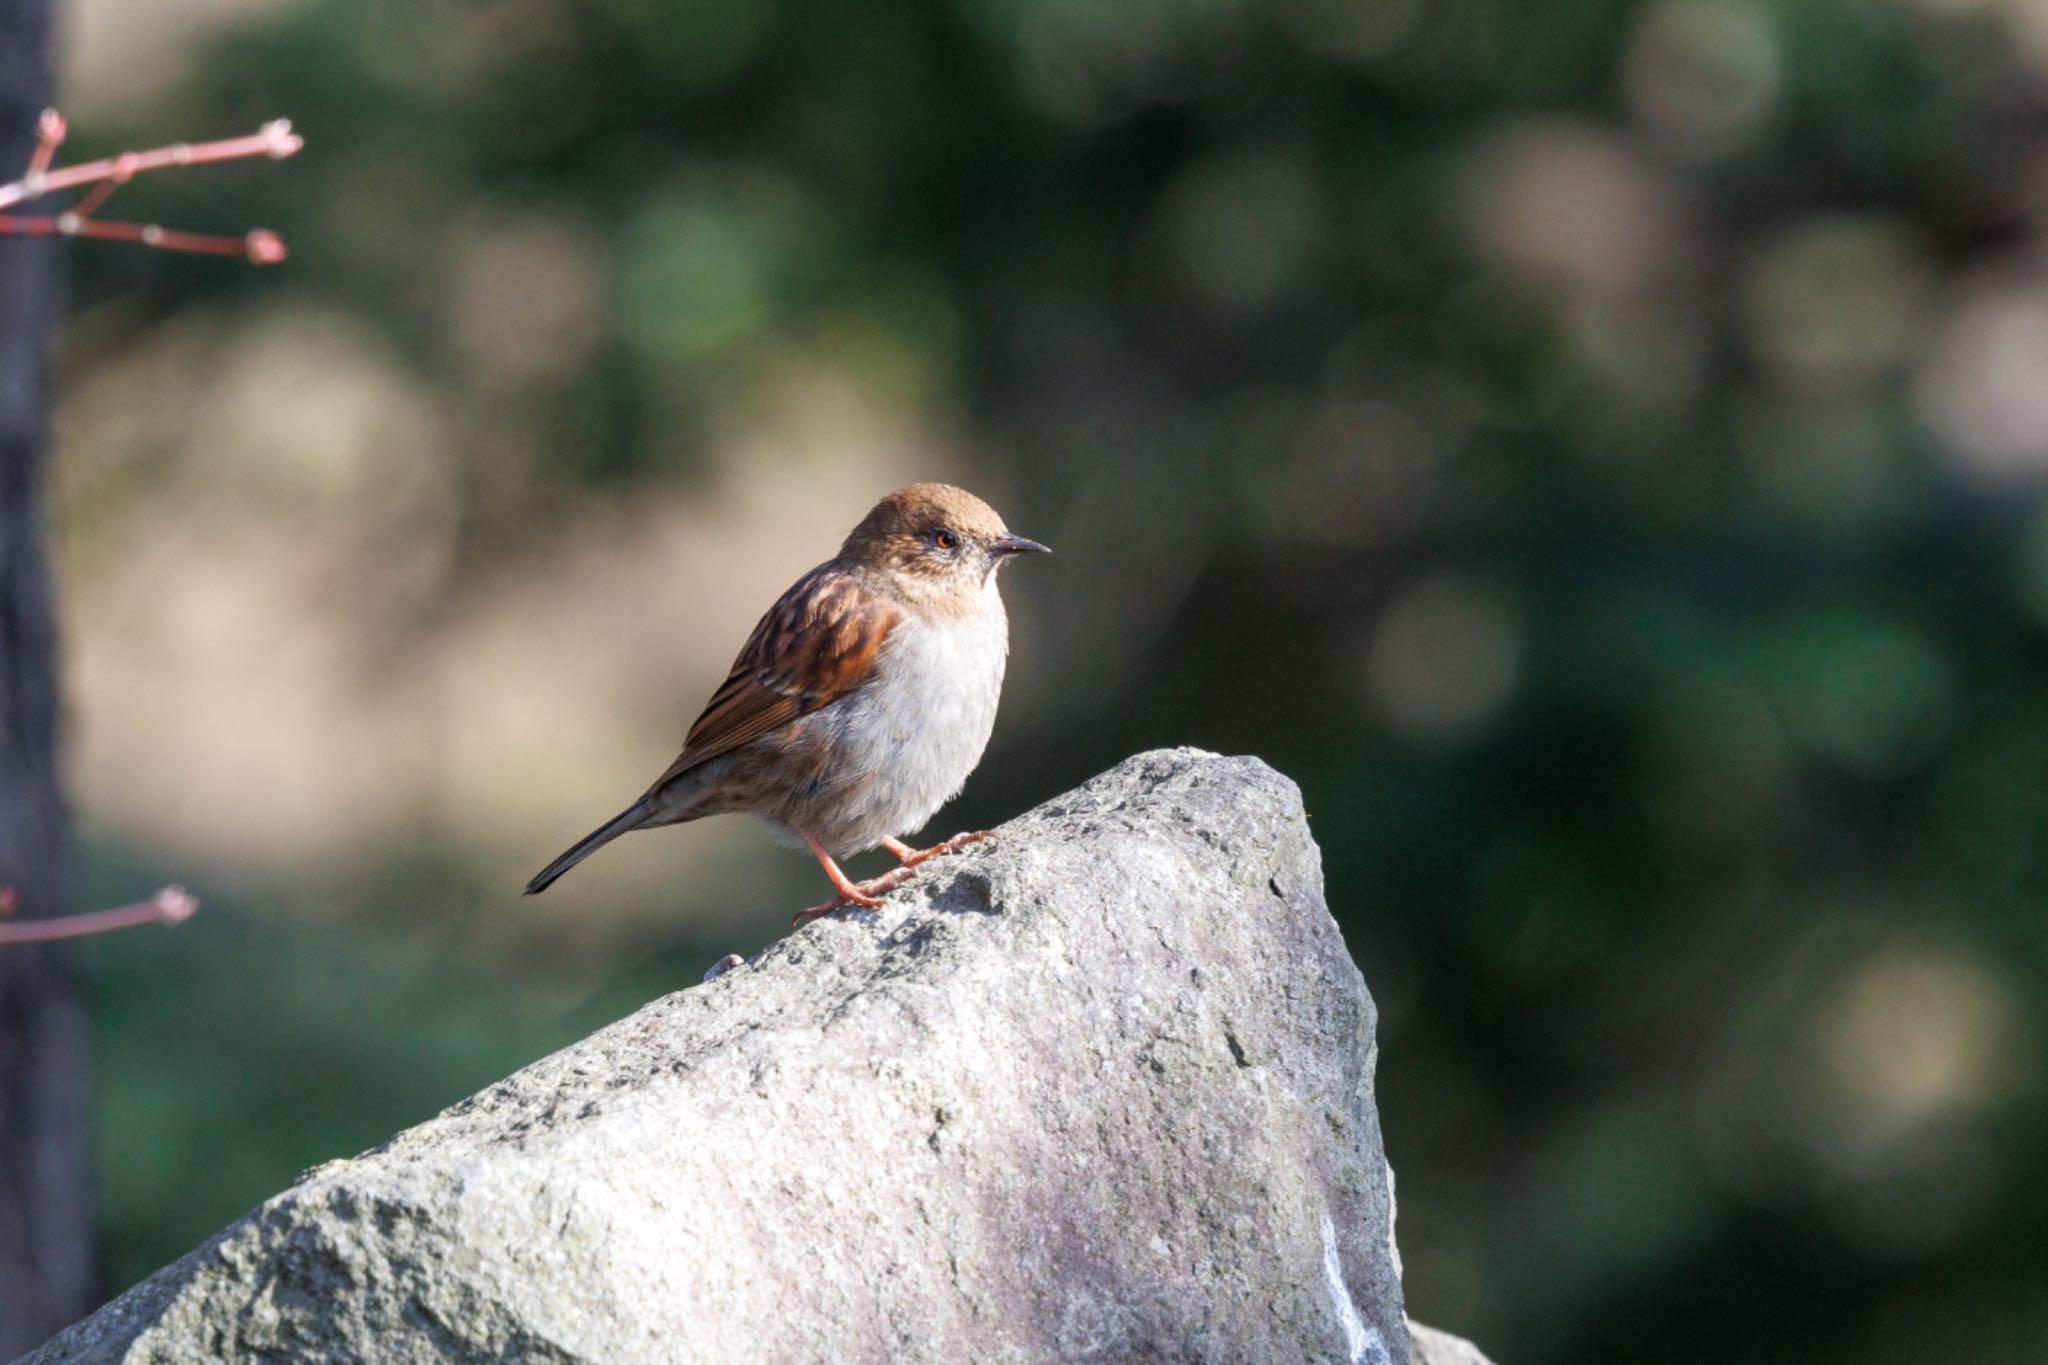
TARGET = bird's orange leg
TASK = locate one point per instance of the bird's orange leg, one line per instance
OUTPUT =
(868, 893)
(911, 857)
(849, 892)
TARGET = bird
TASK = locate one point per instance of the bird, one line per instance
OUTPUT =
(860, 703)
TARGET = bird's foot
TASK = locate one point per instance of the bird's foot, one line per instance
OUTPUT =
(911, 857)
(867, 894)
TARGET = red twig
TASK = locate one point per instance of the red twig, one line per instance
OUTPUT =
(171, 905)
(260, 246)
(49, 132)
(89, 203)
(275, 140)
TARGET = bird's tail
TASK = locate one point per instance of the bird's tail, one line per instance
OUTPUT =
(628, 819)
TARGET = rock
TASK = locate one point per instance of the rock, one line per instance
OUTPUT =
(1427, 1346)
(1098, 1088)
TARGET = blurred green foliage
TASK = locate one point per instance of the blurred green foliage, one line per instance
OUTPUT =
(1596, 448)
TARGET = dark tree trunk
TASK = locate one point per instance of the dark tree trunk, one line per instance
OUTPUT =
(48, 1263)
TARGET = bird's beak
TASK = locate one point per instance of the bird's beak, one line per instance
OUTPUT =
(1017, 545)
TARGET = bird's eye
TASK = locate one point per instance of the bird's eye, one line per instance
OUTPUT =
(945, 540)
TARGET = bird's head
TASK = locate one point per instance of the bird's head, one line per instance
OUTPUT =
(935, 540)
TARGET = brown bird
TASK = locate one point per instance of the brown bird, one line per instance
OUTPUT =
(861, 701)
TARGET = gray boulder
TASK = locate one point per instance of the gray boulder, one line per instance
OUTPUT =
(1427, 1346)
(1099, 1088)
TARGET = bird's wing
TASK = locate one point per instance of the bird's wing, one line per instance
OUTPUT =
(817, 643)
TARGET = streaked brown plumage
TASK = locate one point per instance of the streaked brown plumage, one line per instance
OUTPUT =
(862, 699)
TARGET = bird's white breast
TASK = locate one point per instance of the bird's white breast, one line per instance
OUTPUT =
(917, 729)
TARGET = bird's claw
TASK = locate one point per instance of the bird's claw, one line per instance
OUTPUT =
(911, 857)
(867, 895)
(803, 917)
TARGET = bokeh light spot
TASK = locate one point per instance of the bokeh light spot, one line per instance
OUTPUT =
(1833, 302)
(1443, 659)
(1883, 697)
(1702, 75)
(1979, 384)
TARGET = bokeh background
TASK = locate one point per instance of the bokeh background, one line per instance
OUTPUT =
(1596, 447)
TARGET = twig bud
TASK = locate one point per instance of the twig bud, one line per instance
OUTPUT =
(265, 247)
